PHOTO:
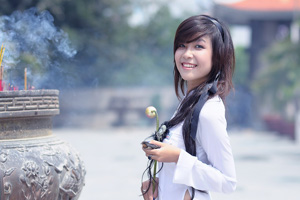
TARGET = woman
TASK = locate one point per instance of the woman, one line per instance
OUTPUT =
(195, 154)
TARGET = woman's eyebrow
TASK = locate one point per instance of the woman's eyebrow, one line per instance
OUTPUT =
(201, 40)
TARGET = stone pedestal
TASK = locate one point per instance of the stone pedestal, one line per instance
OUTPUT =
(34, 164)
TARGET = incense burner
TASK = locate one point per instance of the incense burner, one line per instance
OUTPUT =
(35, 164)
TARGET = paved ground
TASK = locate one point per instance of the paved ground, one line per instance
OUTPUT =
(268, 166)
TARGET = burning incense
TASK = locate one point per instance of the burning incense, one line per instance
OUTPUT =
(1, 72)
(1, 67)
(25, 79)
(1, 78)
(1, 54)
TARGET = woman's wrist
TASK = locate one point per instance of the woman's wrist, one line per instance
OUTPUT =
(177, 155)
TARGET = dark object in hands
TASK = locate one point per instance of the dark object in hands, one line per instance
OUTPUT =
(149, 145)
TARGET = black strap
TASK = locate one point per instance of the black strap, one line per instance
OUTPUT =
(217, 24)
(209, 89)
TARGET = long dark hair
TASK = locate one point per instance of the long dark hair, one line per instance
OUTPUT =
(223, 64)
(223, 58)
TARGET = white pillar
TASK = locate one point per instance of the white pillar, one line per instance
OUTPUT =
(297, 128)
(295, 29)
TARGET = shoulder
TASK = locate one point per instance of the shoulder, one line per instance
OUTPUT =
(212, 121)
(213, 109)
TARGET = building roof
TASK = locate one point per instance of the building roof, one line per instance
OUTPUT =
(266, 5)
(244, 11)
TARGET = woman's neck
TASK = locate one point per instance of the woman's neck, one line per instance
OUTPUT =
(194, 84)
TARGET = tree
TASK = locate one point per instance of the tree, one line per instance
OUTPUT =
(278, 83)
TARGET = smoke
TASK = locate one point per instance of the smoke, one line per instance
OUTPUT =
(31, 40)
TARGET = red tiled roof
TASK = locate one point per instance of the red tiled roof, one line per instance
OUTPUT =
(266, 5)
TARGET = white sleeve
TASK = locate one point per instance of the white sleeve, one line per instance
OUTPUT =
(219, 175)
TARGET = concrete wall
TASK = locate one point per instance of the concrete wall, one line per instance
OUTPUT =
(107, 107)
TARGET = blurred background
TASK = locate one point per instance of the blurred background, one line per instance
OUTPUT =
(111, 59)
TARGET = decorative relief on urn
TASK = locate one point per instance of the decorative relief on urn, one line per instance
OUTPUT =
(36, 185)
(37, 166)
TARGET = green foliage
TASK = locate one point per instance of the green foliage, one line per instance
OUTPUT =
(148, 57)
(279, 81)
(127, 55)
(110, 52)
(241, 72)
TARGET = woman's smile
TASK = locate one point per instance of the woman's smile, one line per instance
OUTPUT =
(188, 65)
(194, 61)
(195, 155)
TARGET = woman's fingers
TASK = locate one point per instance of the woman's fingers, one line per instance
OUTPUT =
(148, 195)
(166, 152)
(157, 143)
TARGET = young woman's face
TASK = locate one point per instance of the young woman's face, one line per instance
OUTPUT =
(194, 61)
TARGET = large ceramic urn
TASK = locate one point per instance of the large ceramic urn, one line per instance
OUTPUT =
(35, 164)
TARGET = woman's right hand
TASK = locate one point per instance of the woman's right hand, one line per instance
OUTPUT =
(149, 194)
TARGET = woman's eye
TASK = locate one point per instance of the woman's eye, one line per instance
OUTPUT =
(199, 46)
(181, 45)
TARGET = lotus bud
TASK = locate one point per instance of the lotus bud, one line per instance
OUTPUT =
(151, 111)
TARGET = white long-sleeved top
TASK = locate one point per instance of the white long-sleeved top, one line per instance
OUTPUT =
(212, 169)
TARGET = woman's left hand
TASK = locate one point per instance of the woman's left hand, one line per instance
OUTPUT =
(166, 152)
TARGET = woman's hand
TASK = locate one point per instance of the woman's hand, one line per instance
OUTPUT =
(166, 152)
(149, 194)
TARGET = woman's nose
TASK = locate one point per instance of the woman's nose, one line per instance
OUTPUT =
(187, 54)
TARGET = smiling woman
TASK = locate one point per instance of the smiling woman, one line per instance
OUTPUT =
(193, 61)
(195, 155)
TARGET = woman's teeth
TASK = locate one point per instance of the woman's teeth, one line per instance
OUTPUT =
(189, 65)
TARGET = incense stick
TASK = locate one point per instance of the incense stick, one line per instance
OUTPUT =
(1, 50)
(1, 67)
(1, 73)
(1, 79)
(1, 54)
(25, 79)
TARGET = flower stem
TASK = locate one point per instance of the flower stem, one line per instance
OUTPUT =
(157, 121)
(155, 162)
(154, 177)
